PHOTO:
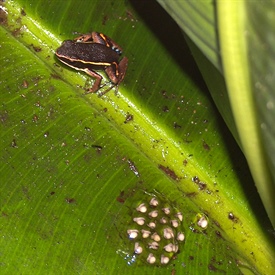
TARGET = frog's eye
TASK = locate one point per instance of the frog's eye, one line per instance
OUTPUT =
(117, 50)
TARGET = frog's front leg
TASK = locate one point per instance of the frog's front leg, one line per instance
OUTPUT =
(122, 68)
(97, 82)
(116, 72)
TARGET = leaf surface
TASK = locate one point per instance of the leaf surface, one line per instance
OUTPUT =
(75, 167)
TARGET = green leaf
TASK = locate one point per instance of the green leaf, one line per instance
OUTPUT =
(262, 67)
(234, 50)
(229, 34)
(75, 167)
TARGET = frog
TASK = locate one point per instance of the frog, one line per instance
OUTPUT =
(91, 53)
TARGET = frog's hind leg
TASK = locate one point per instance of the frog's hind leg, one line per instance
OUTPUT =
(97, 82)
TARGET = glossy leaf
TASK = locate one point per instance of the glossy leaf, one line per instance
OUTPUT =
(236, 36)
(74, 167)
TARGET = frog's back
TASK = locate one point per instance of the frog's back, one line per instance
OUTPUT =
(88, 52)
